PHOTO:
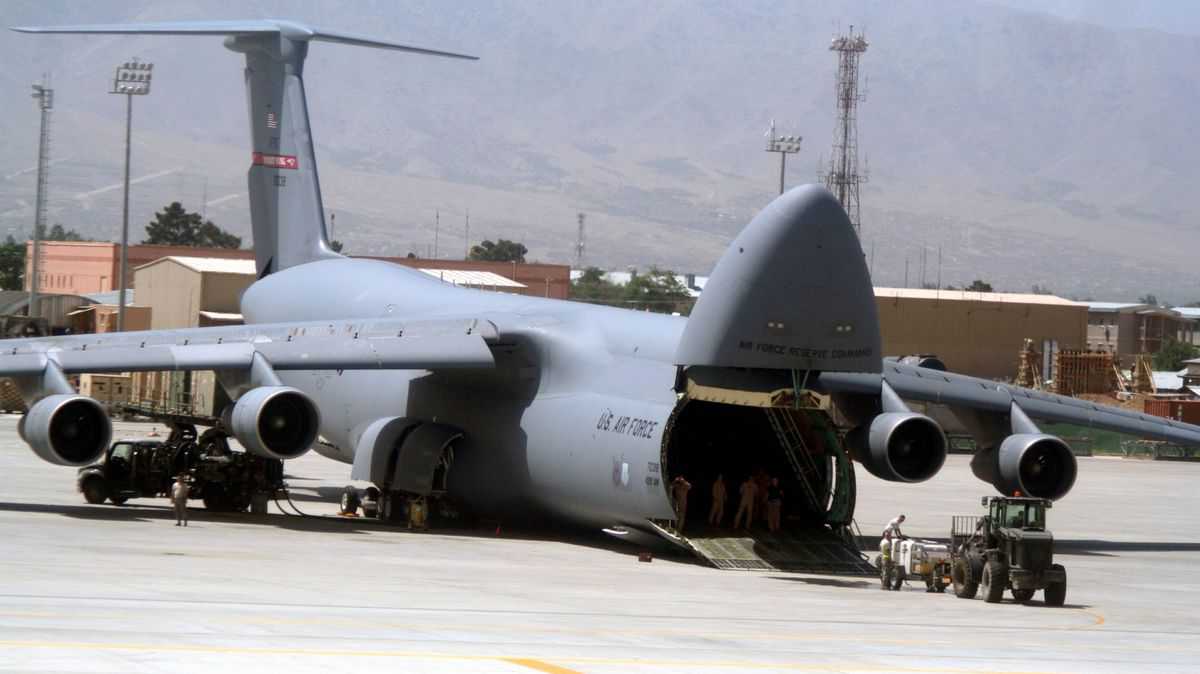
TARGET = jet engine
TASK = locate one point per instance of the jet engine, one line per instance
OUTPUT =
(900, 446)
(1028, 464)
(274, 422)
(67, 429)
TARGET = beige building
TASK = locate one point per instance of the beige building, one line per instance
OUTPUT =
(979, 334)
(180, 289)
(96, 318)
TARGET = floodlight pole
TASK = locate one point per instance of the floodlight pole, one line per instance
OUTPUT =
(131, 79)
(784, 145)
(45, 96)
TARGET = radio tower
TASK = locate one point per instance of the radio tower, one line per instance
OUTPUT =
(842, 177)
(45, 96)
(579, 243)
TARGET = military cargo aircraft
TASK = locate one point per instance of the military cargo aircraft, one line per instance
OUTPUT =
(513, 404)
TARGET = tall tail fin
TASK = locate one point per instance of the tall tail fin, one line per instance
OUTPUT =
(286, 213)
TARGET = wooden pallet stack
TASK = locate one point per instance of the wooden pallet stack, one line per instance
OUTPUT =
(1077, 372)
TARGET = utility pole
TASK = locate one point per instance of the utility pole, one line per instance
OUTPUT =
(467, 237)
(131, 79)
(842, 176)
(45, 96)
(784, 145)
(437, 224)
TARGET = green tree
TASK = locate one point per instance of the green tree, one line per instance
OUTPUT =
(1040, 290)
(658, 290)
(175, 226)
(499, 251)
(979, 286)
(336, 246)
(1148, 298)
(57, 233)
(592, 287)
(1170, 358)
(12, 264)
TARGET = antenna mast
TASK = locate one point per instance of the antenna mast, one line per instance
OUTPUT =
(579, 243)
(45, 96)
(842, 177)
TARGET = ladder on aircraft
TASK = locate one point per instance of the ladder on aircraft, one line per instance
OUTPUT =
(791, 439)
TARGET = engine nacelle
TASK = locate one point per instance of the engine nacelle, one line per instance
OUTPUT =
(66, 429)
(900, 446)
(1029, 464)
(274, 422)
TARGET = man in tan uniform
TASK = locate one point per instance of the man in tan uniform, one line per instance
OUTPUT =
(748, 493)
(719, 495)
(679, 490)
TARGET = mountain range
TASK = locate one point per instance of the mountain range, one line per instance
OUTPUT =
(1016, 146)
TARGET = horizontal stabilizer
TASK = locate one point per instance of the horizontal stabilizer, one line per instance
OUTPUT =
(289, 29)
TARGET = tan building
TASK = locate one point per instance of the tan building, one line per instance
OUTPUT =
(979, 334)
(97, 318)
(88, 267)
(85, 267)
(1128, 328)
(179, 289)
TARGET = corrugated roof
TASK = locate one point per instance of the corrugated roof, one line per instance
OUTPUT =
(1113, 306)
(111, 297)
(1167, 381)
(221, 316)
(211, 265)
(972, 296)
(1188, 312)
(473, 279)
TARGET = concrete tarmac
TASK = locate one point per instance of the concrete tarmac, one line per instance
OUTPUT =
(88, 588)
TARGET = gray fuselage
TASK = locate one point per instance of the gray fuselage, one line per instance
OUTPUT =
(570, 421)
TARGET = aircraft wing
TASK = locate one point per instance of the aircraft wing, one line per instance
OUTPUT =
(996, 399)
(331, 345)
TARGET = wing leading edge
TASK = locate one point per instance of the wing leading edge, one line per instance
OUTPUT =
(343, 345)
(961, 391)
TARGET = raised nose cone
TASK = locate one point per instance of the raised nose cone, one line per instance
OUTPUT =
(792, 292)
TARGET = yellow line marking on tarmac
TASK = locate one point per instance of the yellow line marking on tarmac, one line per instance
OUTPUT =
(540, 666)
(417, 655)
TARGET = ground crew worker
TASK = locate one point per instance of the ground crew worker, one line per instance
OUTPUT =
(890, 532)
(719, 495)
(748, 493)
(679, 490)
(179, 497)
(774, 504)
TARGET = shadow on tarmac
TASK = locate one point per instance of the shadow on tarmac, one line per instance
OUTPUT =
(145, 512)
(831, 582)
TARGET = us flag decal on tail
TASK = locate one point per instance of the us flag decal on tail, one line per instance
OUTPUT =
(272, 121)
